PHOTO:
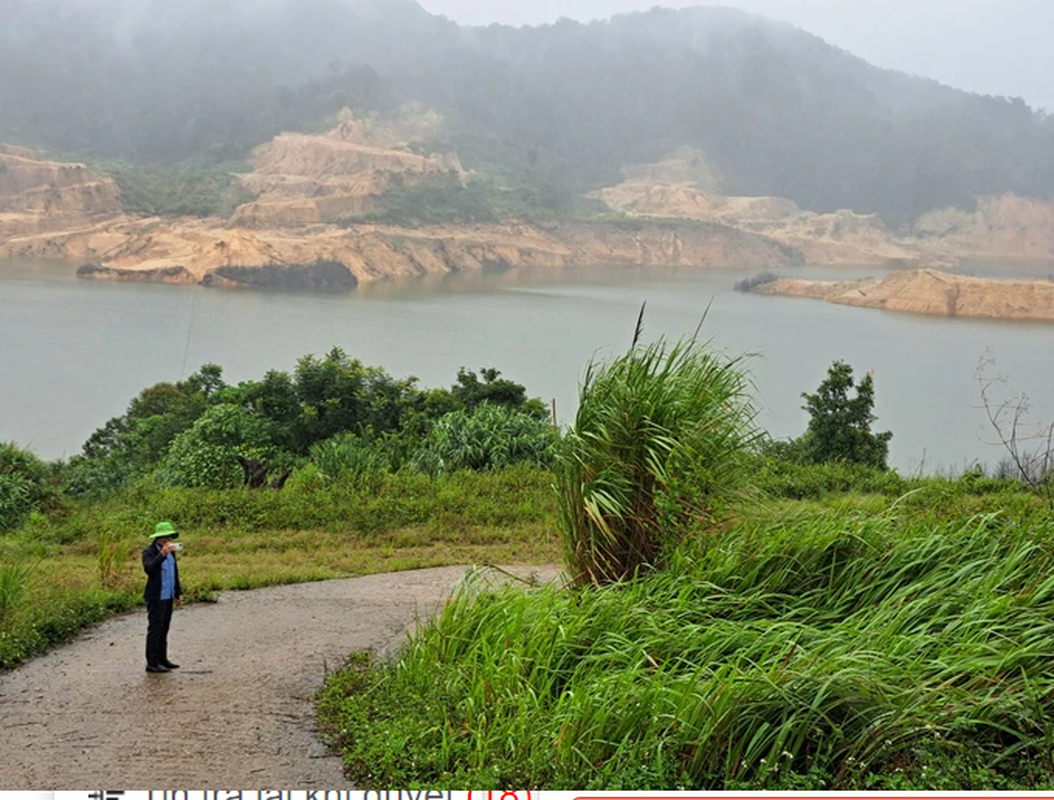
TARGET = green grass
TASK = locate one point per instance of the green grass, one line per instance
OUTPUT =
(853, 643)
(880, 633)
(86, 563)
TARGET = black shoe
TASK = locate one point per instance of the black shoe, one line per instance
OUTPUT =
(169, 664)
(156, 668)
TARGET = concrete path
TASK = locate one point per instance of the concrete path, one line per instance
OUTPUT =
(238, 714)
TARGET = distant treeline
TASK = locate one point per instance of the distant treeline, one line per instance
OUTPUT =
(776, 111)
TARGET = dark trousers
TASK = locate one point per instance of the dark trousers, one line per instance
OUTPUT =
(158, 618)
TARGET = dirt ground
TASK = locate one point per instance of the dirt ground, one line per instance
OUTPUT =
(237, 714)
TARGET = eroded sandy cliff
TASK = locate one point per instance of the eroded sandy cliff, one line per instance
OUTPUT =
(305, 184)
(38, 195)
(306, 180)
(842, 237)
(1000, 227)
(931, 292)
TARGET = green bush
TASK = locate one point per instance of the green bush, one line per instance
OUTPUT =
(780, 478)
(25, 486)
(347, 456)
(446, 198)
(97, 478)
(279, 417)
(196, 187)
(204, 455)
(490, 437)
(131, 446)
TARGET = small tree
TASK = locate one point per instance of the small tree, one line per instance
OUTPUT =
(840, 425)
(470, 392)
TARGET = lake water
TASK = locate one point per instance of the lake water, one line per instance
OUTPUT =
(74, 352)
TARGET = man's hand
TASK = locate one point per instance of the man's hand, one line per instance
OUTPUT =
(168, 547)
(179, 600)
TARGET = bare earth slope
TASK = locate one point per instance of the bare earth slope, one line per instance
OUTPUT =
(306, 184)
(841, 237)
(304, 180)
(237, 713)
(38, 195)
(931, 292)
(1000, 227)
(1003, 227)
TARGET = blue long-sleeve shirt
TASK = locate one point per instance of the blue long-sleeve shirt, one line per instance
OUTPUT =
(168, 577)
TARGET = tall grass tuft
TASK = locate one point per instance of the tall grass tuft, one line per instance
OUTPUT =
(16, 578)
(112, 557)
(661, 433)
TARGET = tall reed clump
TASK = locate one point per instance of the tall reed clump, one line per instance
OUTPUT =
(660, 434)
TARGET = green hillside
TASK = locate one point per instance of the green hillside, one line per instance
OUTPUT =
(776, 110)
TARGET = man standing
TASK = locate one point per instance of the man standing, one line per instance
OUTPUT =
(162, 592)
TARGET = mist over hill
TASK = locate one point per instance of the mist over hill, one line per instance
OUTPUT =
(775, 110)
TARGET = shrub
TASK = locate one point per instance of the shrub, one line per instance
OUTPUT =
(491, 437)
(659, 436)
(348, 456)
(754, 281)
(786, 479)
(204, 455)
(195, 187)
(96, 478)
(25, 486)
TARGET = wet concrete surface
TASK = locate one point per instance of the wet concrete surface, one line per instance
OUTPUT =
(238, 714)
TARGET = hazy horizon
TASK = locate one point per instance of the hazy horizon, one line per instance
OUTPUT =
(981, 46)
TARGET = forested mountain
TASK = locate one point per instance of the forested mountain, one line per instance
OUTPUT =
(776, 110)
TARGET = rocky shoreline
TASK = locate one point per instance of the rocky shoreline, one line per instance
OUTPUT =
(930, 292)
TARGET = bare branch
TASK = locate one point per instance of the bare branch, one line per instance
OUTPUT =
(1030, 447)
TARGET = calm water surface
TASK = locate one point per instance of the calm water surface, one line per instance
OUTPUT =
(74, 352)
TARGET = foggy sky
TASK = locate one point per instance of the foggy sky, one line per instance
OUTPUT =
(1000, 47)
